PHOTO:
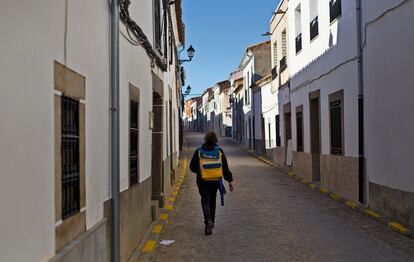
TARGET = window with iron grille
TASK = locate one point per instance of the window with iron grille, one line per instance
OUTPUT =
(298, 43)
(133, 146)
(336, 123)
(299, 129)
(314, 28)
(70, 157)
(284, 43)
(278, 140)
(270, 134)
(275, 54)
(157, 24)
(335, 9)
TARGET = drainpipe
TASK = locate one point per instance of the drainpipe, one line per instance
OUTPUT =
(361, 159)
(115, 130)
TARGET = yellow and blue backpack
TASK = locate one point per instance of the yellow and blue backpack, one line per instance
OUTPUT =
(211, 165)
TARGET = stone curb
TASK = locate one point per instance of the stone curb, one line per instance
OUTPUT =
(375, 215)
(151, 241)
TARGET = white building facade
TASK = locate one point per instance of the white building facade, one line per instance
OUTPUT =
(320, 108)
(388, 107)
(55, 125)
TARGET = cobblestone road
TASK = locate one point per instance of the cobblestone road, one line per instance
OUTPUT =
(271, 217)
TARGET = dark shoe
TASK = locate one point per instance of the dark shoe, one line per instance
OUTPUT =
(209, 228)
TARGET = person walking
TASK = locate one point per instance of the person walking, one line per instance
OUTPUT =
(210, 165)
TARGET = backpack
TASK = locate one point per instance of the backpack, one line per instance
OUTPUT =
(211, 165)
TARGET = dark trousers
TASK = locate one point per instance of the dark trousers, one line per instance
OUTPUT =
(208, 192)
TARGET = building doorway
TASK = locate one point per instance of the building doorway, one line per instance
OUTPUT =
(157, 142)
(288, 133)
(315, 134)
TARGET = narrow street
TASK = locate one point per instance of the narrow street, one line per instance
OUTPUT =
(272, 217)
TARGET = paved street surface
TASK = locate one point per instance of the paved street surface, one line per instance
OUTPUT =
(272, 217)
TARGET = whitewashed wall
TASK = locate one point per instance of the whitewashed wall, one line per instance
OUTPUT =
(325, 67)
(270, 108)
(29, 46)
(340, 34)
(389, 94)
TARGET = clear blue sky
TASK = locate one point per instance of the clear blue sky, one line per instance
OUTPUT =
(220, 31)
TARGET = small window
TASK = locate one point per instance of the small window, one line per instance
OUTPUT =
(278, 140)
(299, 128)
(283, 61)
(133, 144)
(70, 157)
(157, 24)
(284, 43)
(314, 20)
(336, 123)
(270, 135)
(298, 29)
(335, 9)
(275, 61)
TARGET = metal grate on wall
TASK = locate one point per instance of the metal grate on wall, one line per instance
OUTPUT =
(133, 138)
(336, 127)
(70, 157)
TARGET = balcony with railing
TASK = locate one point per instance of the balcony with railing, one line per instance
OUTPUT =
(283, 64)
(298, 41)
(314, 28)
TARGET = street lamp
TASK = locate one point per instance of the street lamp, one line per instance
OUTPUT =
(190, 53)
(279, 12)
(187, 91)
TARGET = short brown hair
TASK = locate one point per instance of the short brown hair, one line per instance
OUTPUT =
(211, 138)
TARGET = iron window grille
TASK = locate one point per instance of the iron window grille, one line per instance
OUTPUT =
(283, 64)
(70, 157)
(278, 140)
(133, 146)
(335, 9)
(314, 28)
(299, 127)
(157, 24)
(336, 127)
(274, 73)
(270, 135)
(298, 41)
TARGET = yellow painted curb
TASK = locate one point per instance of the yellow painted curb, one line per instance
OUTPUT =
(335, 197)
(351, 204)
(149, 246)
(174, 193)
(171, 199)
(157, 229)
(398, 227)
(169, 207)
(372, 213)
(164, 217)
(312, 186)
(323, 190)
